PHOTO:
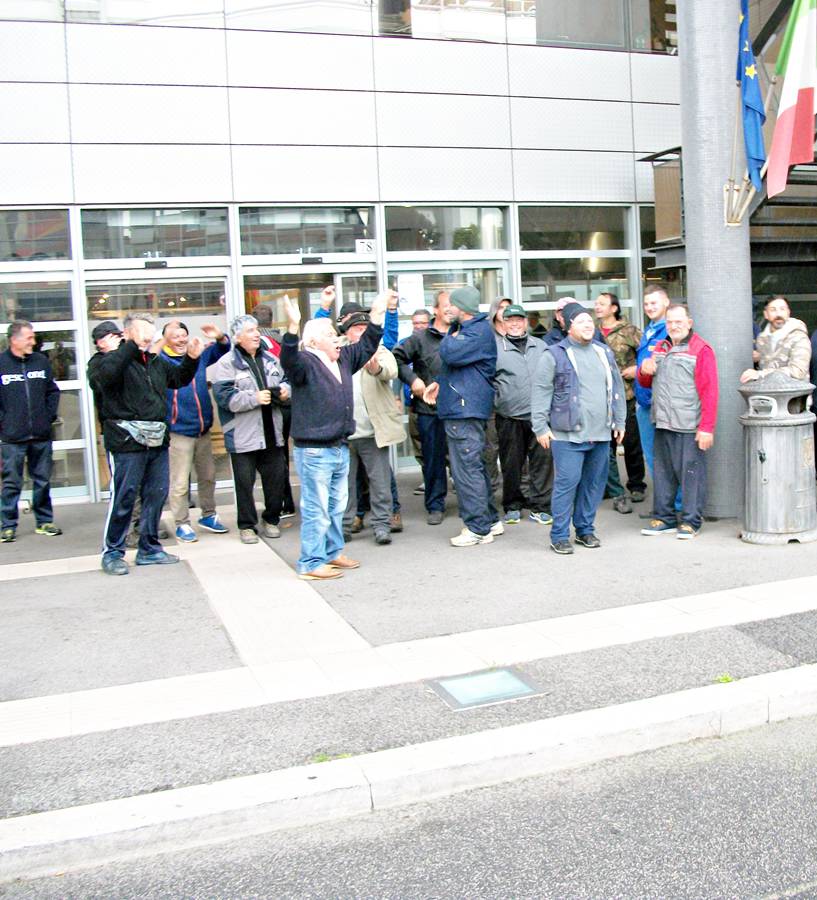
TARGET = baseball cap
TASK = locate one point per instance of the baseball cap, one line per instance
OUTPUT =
(104, 329)
(513, 310)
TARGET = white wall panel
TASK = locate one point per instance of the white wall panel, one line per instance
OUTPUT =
(32, 51)
(34, 112)
(149, 114)
(305, 174)
(145, 174)
(269, 59)
(35, 173)
(415, 176)
(656, 78)
(656, 127)
(138, 54)
(644, 182)
(568, 176)
(571, 124)
(270, 116)
(564, 72)
(453, 67)
(433, 120)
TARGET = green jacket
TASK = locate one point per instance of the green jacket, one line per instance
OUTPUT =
(623, 340)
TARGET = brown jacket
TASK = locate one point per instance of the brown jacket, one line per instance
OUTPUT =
(623, 340)
(790, 353)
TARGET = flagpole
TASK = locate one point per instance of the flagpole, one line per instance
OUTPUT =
(730, 187)
(752, 191)
(742, 202)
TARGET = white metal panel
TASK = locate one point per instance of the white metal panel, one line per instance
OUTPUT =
(644, 182)
(151, 174)
(271, 116)
(656, 127)
(571, 124)
(35, 173)
(568, 176)
(433, 120)
(449, 67)
(304, 174)
(32, 51)
(656, 78)
(34, 112)
(149, 114)
(270, 59)
(135, 54)
(444, 175)
(566, 72)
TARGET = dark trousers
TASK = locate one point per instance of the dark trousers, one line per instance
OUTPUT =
(270, 464)
(364, 454)
(433, 441)
(364, 500)
(580, 471)
(517, 443)
(678, 462)
(37, 454)
(289, 500)
(492, 454)
(144, 474)
(633, 459)
(466, 452)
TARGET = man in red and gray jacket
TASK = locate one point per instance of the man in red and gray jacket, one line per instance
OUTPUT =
(683, 375)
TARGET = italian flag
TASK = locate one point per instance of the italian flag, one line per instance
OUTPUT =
(793, 140)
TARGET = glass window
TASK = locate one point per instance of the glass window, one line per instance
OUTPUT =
(61, 349)
(135, 233)
(329, 16)
(188, 300)
(37, 10)
(584, 23)
(196, 13)
(445, 228)
(67, 472)
(572, 228)
(33, 234)
(305, 230)
(35, 301)
(482, 20)
(654, 25)
(547, 280)
(68, 426)
(263, 294)
(418, 289)
(647, 219)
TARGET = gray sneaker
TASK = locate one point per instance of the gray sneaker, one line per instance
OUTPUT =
(247, 536)
(270, 531)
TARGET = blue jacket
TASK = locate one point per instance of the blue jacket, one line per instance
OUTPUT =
(189, 409)
(466, 379)
(653, 334)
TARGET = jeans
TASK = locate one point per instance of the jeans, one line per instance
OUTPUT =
(466, 451)
(146, 474)
(270, 464)
(433, 440)
(578, 486)
(38, 456)
(646, 431)
(679, 462)
(365, 454)
(518, 444)
(185, 454)
(324, 474)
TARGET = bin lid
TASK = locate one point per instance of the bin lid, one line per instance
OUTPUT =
(777, 384)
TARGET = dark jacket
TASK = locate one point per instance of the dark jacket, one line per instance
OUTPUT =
(554, 336)
(323, 410)
(466, 380)
(133, 386)
(418, 356)
(189, 409)
(29, 398)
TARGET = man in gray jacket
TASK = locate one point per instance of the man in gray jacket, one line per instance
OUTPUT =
(517, 357)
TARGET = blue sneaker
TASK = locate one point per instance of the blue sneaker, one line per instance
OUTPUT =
(114, 565)
(186, 534)
(213, 523)
(542, 518)
(513, 517)
(659, 526)
(159, 558)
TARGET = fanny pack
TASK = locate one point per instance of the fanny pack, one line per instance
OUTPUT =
(149, 434)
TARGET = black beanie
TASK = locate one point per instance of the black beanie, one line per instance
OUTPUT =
(570, 312)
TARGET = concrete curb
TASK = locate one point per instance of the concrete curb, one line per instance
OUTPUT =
(85, 836)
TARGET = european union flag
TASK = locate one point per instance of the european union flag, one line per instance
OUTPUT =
(754, 114)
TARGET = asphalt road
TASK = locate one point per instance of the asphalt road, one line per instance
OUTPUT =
(730, 818)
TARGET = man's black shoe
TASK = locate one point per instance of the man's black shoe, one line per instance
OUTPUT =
(435, 517)
(564, 548)
(588, 540)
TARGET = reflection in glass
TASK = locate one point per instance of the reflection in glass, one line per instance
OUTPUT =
(550, 279)
(482, 20)
(35, 301)
(263, 294)
(572, 228)
(445, 228)
(32, 10)
(585, 23)
(328, 16)
(61, 349)
(415, 294)
(195, 13)
(653, 25)
(195, 302)
(34, 234)
(136, 233)
(304, 230)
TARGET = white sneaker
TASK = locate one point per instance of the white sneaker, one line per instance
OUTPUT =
(467, 538)
(497, 528)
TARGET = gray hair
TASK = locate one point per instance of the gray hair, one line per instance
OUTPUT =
(313, 328)
(239, 323)
(17, 326)
(138, 317)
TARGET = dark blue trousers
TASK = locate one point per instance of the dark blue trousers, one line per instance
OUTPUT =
(433, 441)
(466, 453)
(144, 474)
(679, 464)
(38, 456)
(579, 476)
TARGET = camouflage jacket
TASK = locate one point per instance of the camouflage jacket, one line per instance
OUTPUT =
(791, 352)
(623, 340)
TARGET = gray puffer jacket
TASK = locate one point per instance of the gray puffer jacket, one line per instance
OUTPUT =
(515, 370)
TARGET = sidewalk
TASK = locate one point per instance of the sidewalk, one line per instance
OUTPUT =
(224, 696)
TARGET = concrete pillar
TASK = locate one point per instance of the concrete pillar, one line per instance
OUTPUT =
(719, 287)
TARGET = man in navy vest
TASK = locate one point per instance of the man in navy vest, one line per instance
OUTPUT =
(577, 400)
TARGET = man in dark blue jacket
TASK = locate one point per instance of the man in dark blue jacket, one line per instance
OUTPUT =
(464, 394)
(190, 418)
(29, 399)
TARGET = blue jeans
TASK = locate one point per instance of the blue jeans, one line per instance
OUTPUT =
(433, 442)
(324, 473)
(580, 473)
(466, 452)
(646, 431)
(144, 474)
(38, 456)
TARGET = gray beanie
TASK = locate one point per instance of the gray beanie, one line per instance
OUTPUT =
(466, 298)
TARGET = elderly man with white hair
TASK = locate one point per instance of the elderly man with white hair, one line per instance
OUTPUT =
(320, 374)
(248, 384)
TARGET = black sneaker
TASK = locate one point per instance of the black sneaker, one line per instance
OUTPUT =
(382, 537)
(588, 540)
(564, 548)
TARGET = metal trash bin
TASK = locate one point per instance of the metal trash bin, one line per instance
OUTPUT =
(778, 439)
